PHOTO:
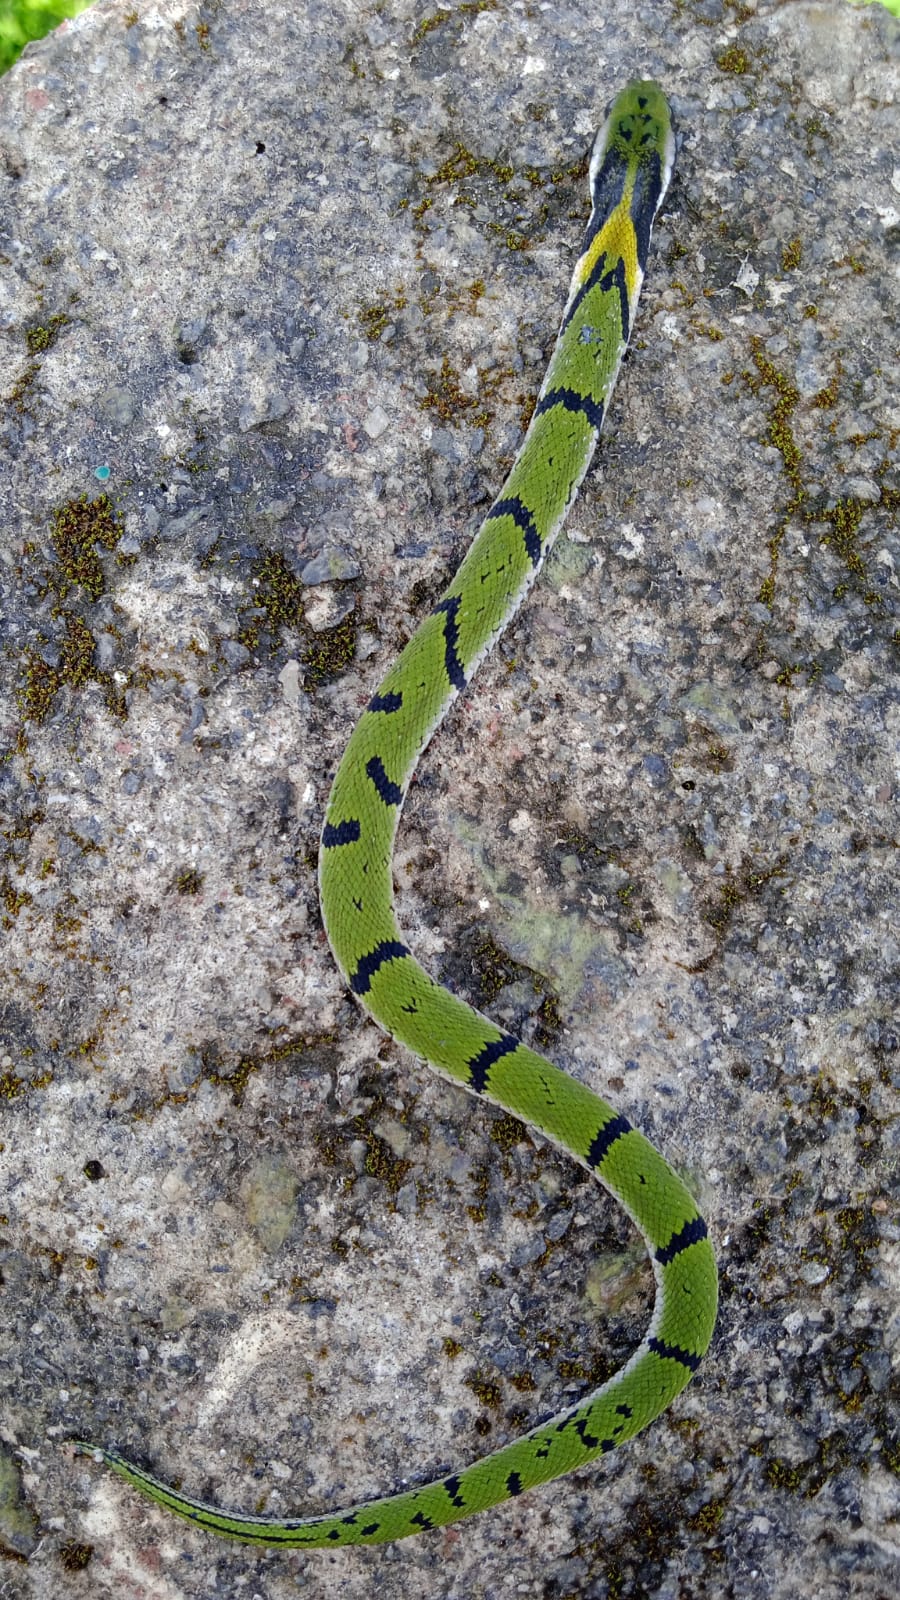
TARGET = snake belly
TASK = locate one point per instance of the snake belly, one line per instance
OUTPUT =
(629, 173)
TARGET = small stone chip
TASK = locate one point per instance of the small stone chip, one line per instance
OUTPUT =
(376, 422)
(333, 564)
(289, 678)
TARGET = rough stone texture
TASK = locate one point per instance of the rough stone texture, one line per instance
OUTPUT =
(280, 281)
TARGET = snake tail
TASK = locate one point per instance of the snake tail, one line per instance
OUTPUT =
(629, 173)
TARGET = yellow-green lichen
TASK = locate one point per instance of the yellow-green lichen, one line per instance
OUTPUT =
(279, 602)
(486, 1390)
(470, 8)
(781, 436)
(447, 399)
(329, 653)
(279, 596)
(189, 881)
(734, 60)
(495, 969)
(81, 529)
(381, 1162)
(75, 1556)
(507, 1131)
(481, 1183)
(42, 336)
(375, 317)
(736, 889)
(236, 1077)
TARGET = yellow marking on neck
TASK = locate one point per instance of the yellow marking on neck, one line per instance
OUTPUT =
(616, 240)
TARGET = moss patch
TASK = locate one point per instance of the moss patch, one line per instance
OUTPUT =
(495, 969)
(279, 603)
(83, 532)
(843, 522)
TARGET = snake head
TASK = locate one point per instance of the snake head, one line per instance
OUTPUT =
(637, 138)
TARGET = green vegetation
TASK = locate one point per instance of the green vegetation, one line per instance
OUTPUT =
(24, 20)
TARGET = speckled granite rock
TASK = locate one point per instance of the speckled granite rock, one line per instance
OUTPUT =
(276, 285)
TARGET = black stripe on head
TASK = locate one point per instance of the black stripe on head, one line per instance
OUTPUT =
(691, 1233)
(480, 1065)
(607, 189)
(645, 198)
(524, 521)
(573, 402)
(389, 792)
(340, 833)
(601, 1143)
(674, 1352)
(388, 950)
(452, 663)
(385, 702)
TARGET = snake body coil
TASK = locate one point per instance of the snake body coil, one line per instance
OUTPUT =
(629, 173)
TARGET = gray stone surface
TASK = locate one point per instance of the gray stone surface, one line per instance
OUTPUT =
(280, 280)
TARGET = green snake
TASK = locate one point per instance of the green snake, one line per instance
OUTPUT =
(629, 173)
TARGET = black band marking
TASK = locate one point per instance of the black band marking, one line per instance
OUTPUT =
(421, 1521)
(615, 278)
(389, 792)
(573, 402)
(369, 1529)
(524, 521)
(585, 289)
(480, 1065)
(340, 833)
(385, 702)
(388, 950)
(691, 1233)
(607, 188)
(673, 1352)
(453, 1486)
(601, 1143)
(452, 663)
(587, 1439)
(514, 1484)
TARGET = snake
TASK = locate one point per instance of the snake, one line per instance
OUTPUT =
(630, 168)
